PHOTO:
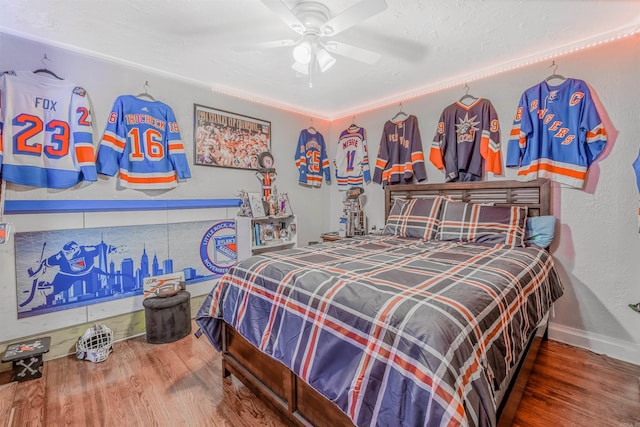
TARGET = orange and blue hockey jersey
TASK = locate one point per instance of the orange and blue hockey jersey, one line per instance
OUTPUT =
(142, 142)
(311, 159)
(352, 160)
(46, 136)
(467, 141)
(557, 133)
(400, 156)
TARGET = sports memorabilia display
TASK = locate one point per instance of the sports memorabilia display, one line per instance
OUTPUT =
(467, 141)
(400, 156)
(557, 133)
(266, 175)
(352, 160)
(311, 159)
(142, 142)
(46, 132)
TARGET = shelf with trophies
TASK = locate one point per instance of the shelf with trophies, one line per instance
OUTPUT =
(265, 221)
(353, 221)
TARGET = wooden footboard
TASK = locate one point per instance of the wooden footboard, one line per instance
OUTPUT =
(277, 385)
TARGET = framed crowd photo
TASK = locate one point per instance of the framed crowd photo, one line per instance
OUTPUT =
(229, 140)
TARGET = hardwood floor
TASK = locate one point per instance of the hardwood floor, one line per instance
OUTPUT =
(180, 384)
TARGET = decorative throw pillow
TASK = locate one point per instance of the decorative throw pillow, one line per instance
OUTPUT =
(539, 230)
(468, 222)
(416, 218)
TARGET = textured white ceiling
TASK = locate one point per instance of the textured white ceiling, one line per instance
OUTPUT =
(424, 44)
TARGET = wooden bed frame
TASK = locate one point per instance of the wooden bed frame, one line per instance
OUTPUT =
(301, 404)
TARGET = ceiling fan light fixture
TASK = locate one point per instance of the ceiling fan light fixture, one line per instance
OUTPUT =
(301, 68)
(302, 53)
(325, 61)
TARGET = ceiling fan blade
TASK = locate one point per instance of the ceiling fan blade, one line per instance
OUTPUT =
(357, 13)
(353, 52)
(265, 45)
(279, 8)
(277, 43)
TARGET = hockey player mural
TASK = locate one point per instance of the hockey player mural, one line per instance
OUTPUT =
(73, 264)
(62, 269)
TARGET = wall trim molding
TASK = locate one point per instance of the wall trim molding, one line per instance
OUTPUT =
(601, 344)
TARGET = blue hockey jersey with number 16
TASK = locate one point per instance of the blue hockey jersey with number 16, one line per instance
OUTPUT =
(557, 133)
(142, 142)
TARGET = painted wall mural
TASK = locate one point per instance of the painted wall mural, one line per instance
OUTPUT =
(57, 270)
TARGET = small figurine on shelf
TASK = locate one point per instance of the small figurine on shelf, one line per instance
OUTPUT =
(245, 207)
(272, 200)
(284, 205)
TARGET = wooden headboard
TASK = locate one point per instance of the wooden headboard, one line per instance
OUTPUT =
(534, 194)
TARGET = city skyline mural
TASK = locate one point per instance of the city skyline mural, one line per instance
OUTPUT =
(62, 269)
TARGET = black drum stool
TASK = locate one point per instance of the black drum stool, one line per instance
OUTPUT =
(167, 319)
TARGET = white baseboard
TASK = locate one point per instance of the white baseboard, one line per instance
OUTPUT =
(601, 344)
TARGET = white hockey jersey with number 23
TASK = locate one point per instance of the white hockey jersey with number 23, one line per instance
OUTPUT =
(46, 135)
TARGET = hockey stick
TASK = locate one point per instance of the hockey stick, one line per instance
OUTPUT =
(35, 281)
(40, 262)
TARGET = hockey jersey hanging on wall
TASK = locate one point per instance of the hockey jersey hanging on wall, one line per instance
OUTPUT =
(311, 159)
(46, 136)
(467, 141)
(400, 156)
(557, 133)
(352, 160)
(142, 142)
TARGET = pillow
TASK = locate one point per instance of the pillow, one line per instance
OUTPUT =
(416, 218)
(468, 222)
(539, 230)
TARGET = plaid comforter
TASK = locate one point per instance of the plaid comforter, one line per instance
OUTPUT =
(396, 332)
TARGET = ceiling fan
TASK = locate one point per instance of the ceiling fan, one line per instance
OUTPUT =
(313, 21)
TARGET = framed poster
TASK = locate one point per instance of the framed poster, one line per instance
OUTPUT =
(229, 140)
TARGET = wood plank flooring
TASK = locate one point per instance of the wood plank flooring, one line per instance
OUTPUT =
(180, 384)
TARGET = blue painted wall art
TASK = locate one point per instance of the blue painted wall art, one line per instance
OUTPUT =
(57, 270)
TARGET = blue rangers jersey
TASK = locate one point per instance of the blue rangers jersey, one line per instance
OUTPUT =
(142, 142)
(557, 133)
(311, 159)
(46, 134)
(352, 160)
(400, 156)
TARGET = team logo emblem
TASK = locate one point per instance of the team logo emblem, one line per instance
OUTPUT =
(78, 264)
(576, 97)
(467, 128)
(553, 95)
(225, 248)
(218, 247)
